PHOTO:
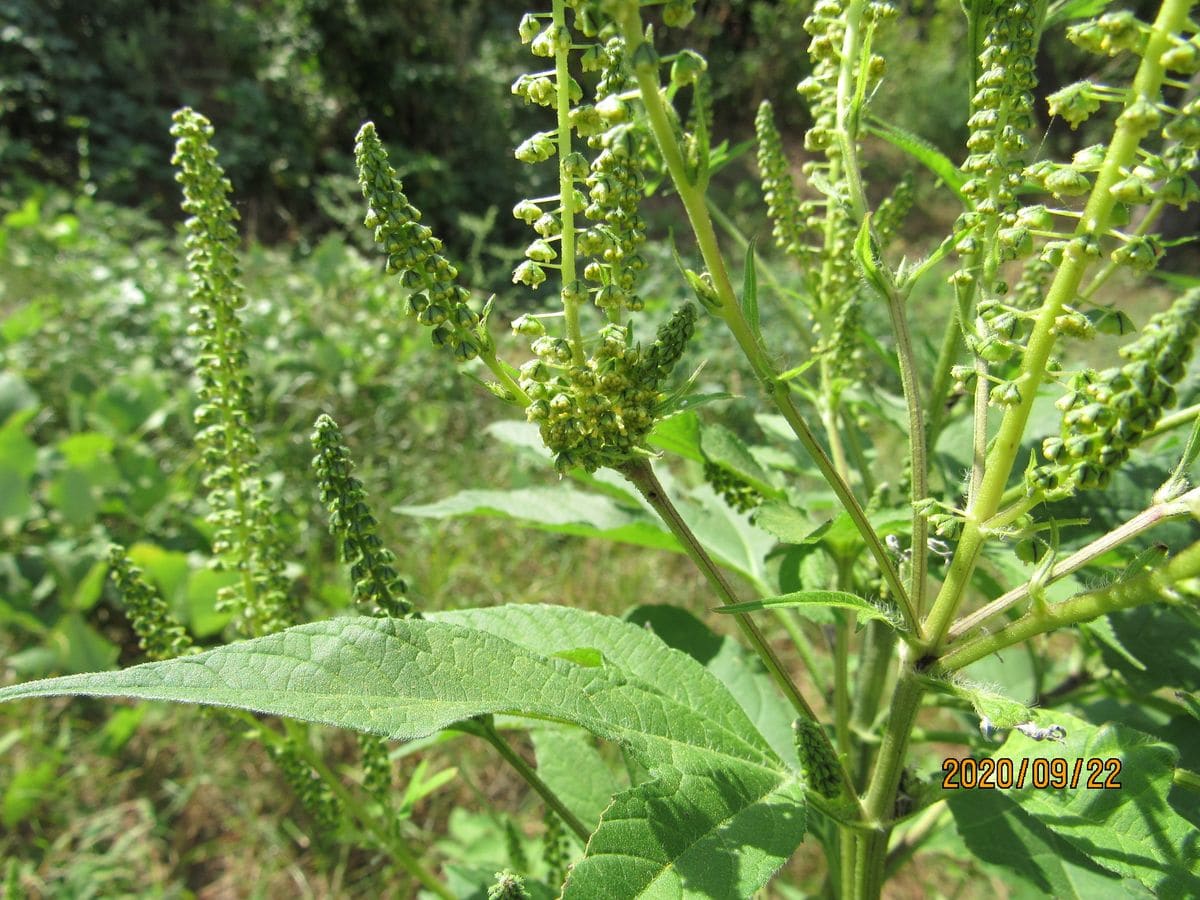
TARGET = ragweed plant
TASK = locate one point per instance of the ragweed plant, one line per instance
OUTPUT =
(928, 583)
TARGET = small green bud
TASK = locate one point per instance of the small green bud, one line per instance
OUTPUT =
(529, 273)
(1141, 116)
(535, 149)
(679, 13)
(530, 326)
(1065, 181)
(529, 28)
(527, 211)
(540, 251)
(687, 68)
(1074, 103)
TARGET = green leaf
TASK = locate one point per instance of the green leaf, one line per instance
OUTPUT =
(923, 152)
(679, 434)
(563, 755)
(560, 509)
(750, 291)
(720, 815)
(1000, 835)
(739, 670)
(789, 524)
(1132, 831)
(801, 600)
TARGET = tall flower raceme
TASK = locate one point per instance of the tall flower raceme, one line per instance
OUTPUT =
(247, 537)
(594, 398)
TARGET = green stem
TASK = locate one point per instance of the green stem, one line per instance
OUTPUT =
(873, 664)
(488, 732)
(1143, 521)
(885, 780)
(1173, 421)
(1080, 608)
(1185, 778)
(939, 391)
(763, 269)
(1095, 220)
(848, 109)
(641, 476)
(392, 841)
(731, 313)
(488, 355)
(566, 187)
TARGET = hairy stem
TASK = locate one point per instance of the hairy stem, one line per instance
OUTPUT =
(1143, 521)
(1094, 221)
(566, 187)
(488, 732)
(1081, 608)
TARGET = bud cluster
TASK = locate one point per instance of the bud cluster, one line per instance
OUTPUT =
(816, 758)
(246, 537)
(378, 589)
(413, 253)
(736, 491)
(599, 413)
(1107, 414)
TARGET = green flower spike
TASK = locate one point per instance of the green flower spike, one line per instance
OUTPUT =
(160, 635)
(599, 413)
(314, 795)
(378, 590)
(413, 252)
(820, 769)
(779, 191)
(1107, 414)
(247, 538)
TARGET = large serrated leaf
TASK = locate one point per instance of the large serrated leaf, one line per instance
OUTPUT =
(1131, 831)
(720, 808)
(1000, 835)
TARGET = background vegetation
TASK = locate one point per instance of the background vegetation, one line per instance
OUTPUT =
(97, 391)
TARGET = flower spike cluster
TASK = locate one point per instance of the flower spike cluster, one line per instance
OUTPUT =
(247, 538)
(599, 413)
(413, 253)
(1108, 413)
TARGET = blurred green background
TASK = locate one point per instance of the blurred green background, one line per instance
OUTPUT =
(96, 386)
